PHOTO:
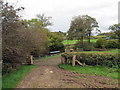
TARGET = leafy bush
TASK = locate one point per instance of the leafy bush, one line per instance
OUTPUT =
(103, 59)
(85, 47)
(111, 44)
(20, 38)
(100, 43)
(12, 59)
(55, 42)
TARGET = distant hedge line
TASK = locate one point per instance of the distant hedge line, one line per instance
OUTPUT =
(88, 58)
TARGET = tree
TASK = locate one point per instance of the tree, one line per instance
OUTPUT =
(77, 28)
(81, 27)
(12, 42)
(37, 35)
(55, 42)
(116, 29)
(10, 26)
(61, 34)
(21, 38)
(91, 24)
(32, 23)
(44, 19)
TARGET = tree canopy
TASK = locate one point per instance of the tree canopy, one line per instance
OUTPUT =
(116, 29)
(81, 27)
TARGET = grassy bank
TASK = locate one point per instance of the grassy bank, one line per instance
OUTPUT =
(12, 79)
(93, 70)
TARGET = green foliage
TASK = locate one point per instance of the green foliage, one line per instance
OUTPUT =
(91, 58)
(22, 37)
(81, 27)
(116, 29)
(33, 23)
(112, 44)
(100, 43)
(62, 34)
(93, 70)
(103, 43)
(86, 46)
(12, 36)
(10, 80)
(55, 42)
(44, 19)
(40, 21)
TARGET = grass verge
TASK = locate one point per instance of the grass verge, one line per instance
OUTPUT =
(93, 70)
(10, 80)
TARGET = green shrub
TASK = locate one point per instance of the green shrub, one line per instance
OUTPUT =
(100, 43)
(111, 44)
(86, 46)
(102, 59)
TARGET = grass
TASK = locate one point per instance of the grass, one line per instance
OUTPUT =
(65, 42)
(93, 70)
(108, 51)
(10, 80)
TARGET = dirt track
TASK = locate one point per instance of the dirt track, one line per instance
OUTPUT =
(49, 75)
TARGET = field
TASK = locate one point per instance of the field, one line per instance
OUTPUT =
(65, 42)
(93, 70)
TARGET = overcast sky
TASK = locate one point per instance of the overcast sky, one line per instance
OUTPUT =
(62, 11)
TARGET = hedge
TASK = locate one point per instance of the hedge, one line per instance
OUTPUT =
(112, 44)
(88, 58)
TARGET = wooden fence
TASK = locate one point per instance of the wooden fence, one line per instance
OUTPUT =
(74, 61)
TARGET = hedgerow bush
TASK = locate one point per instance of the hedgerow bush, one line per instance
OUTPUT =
(103, 43)
(100, 43)
(88, 58)
(111, 44)
(86, 46)
(12, 59)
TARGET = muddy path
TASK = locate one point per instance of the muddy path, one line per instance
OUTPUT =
(49, 75)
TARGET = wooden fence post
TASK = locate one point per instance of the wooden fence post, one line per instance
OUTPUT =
(31, 59)
(73, 60)
(62, 60)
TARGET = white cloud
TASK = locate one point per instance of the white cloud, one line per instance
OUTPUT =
(105, 11)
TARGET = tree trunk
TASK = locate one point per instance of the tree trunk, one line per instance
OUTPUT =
(89, 37)
(82, 41)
